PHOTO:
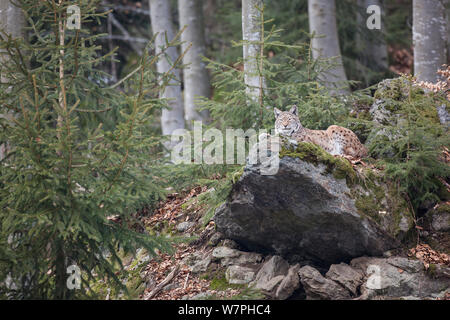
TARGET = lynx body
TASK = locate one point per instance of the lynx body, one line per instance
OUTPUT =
(335, 140)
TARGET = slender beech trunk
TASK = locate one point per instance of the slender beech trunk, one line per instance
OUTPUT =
(429, 38)
(374, 53)
(160, 15)
(325, 44)
(195, 76)
(251, 31)
(12, 21)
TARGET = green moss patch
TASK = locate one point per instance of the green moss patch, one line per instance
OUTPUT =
(339, 167)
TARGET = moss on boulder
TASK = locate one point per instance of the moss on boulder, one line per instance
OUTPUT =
(374, 198)
(339, 167)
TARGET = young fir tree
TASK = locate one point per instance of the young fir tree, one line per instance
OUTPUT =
(289, 76)
(78, 155)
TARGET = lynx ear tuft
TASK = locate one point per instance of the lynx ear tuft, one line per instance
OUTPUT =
(277, 112)
(293, 110)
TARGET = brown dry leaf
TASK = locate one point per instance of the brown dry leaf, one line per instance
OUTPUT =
(428, 256)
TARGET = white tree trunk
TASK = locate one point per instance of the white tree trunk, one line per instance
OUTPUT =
(429, 38)
(447, 14)
(160, 15)
(195, 75)
(251, 31)
(12, 21)
(374, 48)
(325, 44)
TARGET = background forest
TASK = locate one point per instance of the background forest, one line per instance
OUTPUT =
(88, 114)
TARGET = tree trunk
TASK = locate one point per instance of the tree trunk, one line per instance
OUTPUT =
(325, 44)
(447, 14)
(251, 31)
(160, 15)
(12, 21)
(195, 75)
(374, 53)
(429, 38)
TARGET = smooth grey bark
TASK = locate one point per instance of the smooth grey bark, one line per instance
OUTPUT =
(251, 32)
(373, 47)
(11, 19)
(12, 22)
(447, 14)
(429, 38)
(195, 76)
(325, 43)
(160, 15)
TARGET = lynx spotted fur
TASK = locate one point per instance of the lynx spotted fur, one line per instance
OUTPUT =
(335, 140)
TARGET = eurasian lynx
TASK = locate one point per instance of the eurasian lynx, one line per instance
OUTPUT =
(335, 140)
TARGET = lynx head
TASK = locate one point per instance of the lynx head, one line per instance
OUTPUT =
(287, 122)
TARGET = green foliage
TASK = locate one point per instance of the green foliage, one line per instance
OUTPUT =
(71, 163)
(291, 17)
(410, 141)
(289, 76)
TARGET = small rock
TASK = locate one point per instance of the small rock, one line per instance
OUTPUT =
(215, 239)
(318, 287)
(197, 262)
(244, 258)
(229, 243)
(269, 286)
(184, 226)
(224, 252)
(441, 221)
(289, 284)
(275, 266)
(200, 296)
(346, 276)
(171, 286)
(239, 275)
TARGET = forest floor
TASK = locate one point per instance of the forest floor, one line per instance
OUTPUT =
(170, 278)
(180, 281)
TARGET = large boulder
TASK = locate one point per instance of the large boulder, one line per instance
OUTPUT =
(314, 210)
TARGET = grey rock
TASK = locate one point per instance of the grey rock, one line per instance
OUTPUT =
(225, 252)
(184, 226)
(229, 243)
(200, 296)
(440, 220)
(215, 239)
(381, 115)
(239, 275)
(302, 213)
(228, 256)
(317, 287)
(275, 266)
(270, 286)
(197, 262)
(397, 277)
(244, 258)
(289, 284)
(348, 277)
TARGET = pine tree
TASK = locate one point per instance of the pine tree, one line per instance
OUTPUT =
(79, 155)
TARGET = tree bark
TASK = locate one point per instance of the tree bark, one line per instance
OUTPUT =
(12, 21)
(447, 14)
(195, 75)
(429, 38)
(374, 51)
(325, 43)
(251, 31)
(160, 15)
